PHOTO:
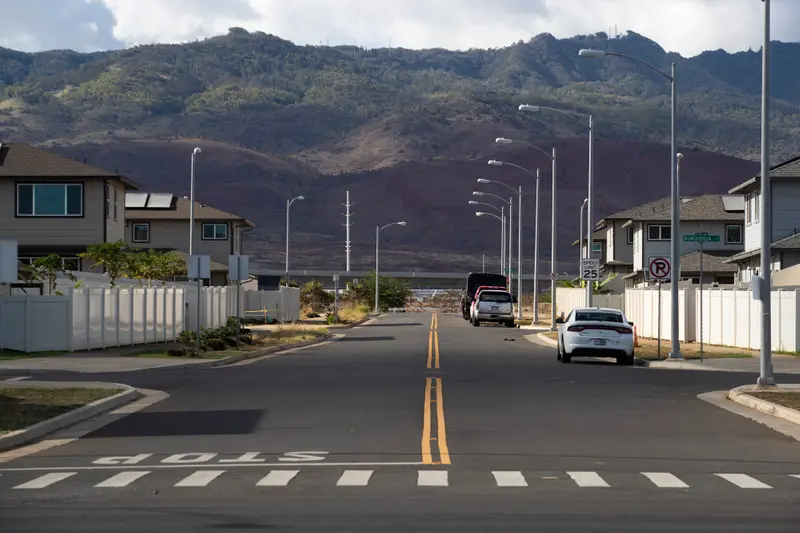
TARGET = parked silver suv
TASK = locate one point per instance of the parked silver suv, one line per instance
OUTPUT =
(493, 306)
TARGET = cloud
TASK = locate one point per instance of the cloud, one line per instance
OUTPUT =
(685, 26)
(33, 25)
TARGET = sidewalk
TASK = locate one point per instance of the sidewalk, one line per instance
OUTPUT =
(781, 364)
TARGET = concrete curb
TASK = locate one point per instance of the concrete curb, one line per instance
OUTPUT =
(80, 414)
(740, 395)
(550, 342)
(254, 354)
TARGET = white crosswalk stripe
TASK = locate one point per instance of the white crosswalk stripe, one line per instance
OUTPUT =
(509, 479)
(665, 480)
(588, 479)
(432, 478)
(744, 481)
(45, 480)
(201, 478)
(354, 478)
(277, 478)
(357, 477)
(123, 479)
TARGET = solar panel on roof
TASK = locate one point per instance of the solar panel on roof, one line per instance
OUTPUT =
(135, 200)
(160, 200)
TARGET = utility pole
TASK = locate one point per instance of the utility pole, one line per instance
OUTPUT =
(347, 225)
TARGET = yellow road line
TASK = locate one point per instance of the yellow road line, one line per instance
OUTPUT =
(436, 346)
(427, 458)
(444, 452)
(430, 348)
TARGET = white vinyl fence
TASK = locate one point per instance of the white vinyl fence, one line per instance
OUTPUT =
(85, 319)
(282, 305)
(568, 299)
(729, 318)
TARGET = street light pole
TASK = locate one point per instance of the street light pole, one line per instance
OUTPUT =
(590, 213)
(553, 263)
(766, 377)
(503, 241)
(510, 243)
(288, 206)
(519, 255)
(195, 152)
(536, 256)
(675, 208)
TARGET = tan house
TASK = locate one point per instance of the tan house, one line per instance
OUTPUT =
(54, 204)
(161, 221)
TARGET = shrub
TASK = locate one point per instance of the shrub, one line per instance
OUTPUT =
(314, 296)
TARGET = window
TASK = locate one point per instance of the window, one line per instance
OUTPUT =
(656, 232)
(630, 234)
(49, 199)
(498, 297)
(141, 232)
(748, 206)
(215, 232)
(586, 316)
(733, 234)
(115, 203)
(108, 200)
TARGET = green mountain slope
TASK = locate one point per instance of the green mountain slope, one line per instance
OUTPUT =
(317, 103)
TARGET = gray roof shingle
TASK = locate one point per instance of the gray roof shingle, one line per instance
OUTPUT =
(792, 242)
(706, 207)
(712, 262)
(787, 169)
(182, 212)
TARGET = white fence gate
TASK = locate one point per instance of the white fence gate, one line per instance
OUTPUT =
(283, 304)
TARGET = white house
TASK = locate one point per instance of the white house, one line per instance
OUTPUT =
(719, 216)
(785, 216)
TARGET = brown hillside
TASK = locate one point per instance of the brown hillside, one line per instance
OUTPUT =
(431, 195)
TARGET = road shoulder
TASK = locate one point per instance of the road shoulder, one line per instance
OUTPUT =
(721, 400)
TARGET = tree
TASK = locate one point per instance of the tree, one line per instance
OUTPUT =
(597, 286)
(314, 295)
(112, 256)
(47, 270)
(393, 292)
(151, 264)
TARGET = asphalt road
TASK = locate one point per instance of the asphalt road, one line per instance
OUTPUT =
(415, 423)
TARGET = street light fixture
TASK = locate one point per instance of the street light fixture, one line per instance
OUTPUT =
(675, 199)
(590, 189)
(289, 205)
(502, 225)
(378, 229)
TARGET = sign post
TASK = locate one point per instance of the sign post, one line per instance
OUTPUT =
(701, 237)
(336, 298)
(658, 269)
(658, 352)
(238, 266)
(198, 267)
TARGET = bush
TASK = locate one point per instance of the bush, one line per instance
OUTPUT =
(393, 292)
(214, 339)
(314, 296)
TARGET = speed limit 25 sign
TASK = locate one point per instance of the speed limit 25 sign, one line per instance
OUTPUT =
(590, 269)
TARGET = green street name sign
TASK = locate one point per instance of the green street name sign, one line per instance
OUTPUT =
(701, 237)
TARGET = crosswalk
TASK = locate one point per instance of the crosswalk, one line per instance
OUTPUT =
(494, 479)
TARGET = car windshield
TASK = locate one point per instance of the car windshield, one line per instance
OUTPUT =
(585, 316)
(502, 297)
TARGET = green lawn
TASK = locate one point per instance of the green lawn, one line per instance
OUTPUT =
(22, 407)
(12, 354)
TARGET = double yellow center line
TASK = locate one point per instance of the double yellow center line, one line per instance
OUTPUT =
(433, 343)
(434, 432)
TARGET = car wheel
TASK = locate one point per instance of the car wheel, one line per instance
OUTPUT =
(565, 357)
(476, 322)
(510, 324)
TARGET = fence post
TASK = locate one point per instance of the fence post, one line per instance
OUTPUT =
(28, 319)
(144, 314)
(119, 308)
(174, 312)
(71, 319)
(103, 317)
(132, 294)
(88, 318)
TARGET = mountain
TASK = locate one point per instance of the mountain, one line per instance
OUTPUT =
(406, 131)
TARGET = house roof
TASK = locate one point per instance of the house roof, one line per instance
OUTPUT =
(706, 207)
(215, 267)
(787, 169)
(182, 211)
(792, 242)
(713, 261)
(633, 212)
(25, 161)
(598, 235)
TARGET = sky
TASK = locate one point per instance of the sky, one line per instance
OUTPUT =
(685, 26)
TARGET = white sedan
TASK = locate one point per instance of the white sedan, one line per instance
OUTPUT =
(595, 332)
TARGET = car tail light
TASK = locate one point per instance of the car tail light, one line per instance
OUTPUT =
(623, 331)
(576, 328)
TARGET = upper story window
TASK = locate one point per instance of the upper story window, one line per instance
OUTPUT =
(115, 203)
(215, 232)
(141, 232)
(49, 199)
(757, 206)
(658, 232)
(748, 209)
(630, 234)
(733, 234)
